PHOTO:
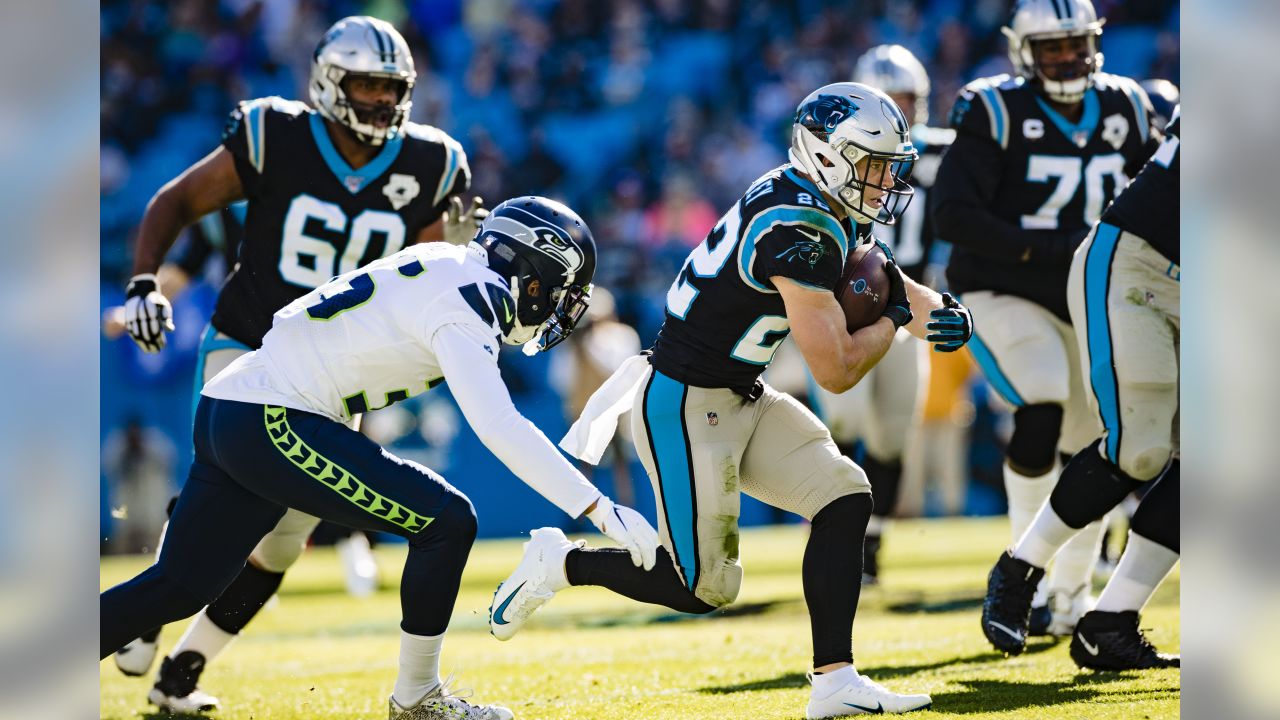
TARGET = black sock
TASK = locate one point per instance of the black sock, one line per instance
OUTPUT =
(243, 598)
(612, 568)
(1089, 488)
(833, 576)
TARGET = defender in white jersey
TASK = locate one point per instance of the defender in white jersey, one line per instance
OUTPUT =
(270, 430)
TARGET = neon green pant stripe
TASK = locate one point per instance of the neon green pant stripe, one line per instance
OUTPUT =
(334, 476)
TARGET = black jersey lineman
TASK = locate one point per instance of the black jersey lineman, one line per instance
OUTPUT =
(1149, 207)
(1021, 186)
(311, 216)
(725, 320)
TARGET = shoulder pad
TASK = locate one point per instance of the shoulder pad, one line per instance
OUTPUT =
(989, 92)
(1133, 93)
(252, 115)
(455, 160)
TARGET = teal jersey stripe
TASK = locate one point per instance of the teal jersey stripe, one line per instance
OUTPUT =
(450, 169)
(1102, 371)
(339, 167)
(664, 419)
(785, 215)
(993, 372)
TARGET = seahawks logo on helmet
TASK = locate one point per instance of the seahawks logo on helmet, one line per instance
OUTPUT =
(807, 251)
(821, 115)
(545, 238)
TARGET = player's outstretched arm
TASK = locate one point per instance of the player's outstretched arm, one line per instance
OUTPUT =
(204, 187)
(836, 359)
(208, 185)
(477, 386)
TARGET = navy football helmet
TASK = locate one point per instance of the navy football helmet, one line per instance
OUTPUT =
(547, 256)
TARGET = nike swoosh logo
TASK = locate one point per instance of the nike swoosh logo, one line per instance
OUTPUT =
(502, 609)
(1093, 649)
(507, 309)
(877, 710)
(1011, 633)
(813, 236)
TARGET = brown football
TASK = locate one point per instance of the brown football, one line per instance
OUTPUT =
(863, 290)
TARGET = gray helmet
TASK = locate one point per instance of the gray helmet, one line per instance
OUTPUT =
(1035, 20)
(894, 69)
(837, 126)
(362, 45)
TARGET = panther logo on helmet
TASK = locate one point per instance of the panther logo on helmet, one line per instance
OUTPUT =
(823, 114)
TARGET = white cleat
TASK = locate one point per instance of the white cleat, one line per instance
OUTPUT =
(1067, 608)
(440, 705)
(863, 696)
(137, 657)
(535, 581)
(196, 701)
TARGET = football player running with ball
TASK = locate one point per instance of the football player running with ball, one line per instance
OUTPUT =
(329, 189)
(707, 428)
(1035, 160)
(271, 431)
(1124, 292)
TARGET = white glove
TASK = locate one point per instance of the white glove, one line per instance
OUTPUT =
(147, 313)
(629, 529)
(460, 227)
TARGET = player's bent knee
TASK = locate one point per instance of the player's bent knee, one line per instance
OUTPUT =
(276, 553)
(455, 519)
(1144, 462)
(1035, 438)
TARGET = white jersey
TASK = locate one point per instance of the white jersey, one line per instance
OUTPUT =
(362, 341)
(391, 330)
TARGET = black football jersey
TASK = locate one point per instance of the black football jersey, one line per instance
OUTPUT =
(911, 237)
(1149, 207)
(1021, 185)
(725, 320)
(311, 216)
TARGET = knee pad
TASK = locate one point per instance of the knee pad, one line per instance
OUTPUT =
(1158, 515)
(1089, 488)
(1143, 462)
(1035, 438)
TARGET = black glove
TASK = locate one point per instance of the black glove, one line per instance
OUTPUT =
(951, 325)
(899, 308)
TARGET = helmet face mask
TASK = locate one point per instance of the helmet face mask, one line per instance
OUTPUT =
(1039, 28)
(845, 132)
(362, 47)
(547, 255)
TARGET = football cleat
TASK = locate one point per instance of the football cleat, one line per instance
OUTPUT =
(1067, 607)
(863, 696)
(135, 658)
(1006, 611)
(440, 704)
(531, 585)
(1113, 641)
(176, 688)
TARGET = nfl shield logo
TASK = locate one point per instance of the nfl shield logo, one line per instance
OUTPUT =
(353, 182)
(713, 419)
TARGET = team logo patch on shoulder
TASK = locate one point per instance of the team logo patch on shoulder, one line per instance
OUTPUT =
(401, 189)
(808, 250)
(1115, 129)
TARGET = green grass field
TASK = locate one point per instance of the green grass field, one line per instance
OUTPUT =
(319, 654)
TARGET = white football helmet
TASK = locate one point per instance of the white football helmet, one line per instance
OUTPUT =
(1035, 20)
(362, 45)
(894, 69)
(837, 126)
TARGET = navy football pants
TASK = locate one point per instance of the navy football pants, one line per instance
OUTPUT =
(251, 462)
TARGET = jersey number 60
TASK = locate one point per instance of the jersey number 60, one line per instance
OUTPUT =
(311, 262)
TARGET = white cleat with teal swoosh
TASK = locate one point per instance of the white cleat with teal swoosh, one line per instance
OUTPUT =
(861, 695)
(535, 581)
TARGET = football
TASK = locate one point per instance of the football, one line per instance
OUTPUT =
(863, 289)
